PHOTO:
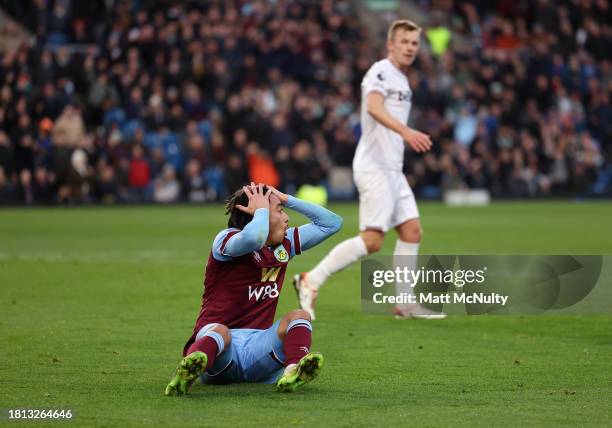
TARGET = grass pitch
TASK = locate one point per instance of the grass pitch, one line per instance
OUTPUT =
(95, 305)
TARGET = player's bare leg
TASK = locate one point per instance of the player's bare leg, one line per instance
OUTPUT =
(406, 250)
(301, 365)
(344, 254)
(373, 240)
(200, 356)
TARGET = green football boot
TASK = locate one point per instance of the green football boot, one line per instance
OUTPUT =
(296, 375)
(190, 368)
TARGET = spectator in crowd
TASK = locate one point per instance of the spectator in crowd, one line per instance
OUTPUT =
(106, 186)
(7, 161)
(139, 176)
(43, 188)
(194, 185)
(167, 187)
(25, 190)
(6, 190)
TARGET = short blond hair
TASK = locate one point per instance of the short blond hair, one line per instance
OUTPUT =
(401, 24)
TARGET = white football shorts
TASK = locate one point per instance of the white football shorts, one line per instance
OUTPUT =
(385, 200)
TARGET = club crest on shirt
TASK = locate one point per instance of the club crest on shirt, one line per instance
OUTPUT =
(281, 254)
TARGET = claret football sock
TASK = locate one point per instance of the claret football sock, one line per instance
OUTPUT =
(341, 256)
(297, 341)
(211, 344)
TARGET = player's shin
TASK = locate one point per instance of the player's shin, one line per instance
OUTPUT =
(405, 256)
(340, 257)
(297, 340)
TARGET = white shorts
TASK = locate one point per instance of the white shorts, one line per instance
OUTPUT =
(385, 200)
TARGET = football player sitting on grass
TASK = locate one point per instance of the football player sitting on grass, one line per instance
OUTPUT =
(235, 338)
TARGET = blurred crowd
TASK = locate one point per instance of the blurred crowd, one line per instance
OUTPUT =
(144, 101)
(518, 98)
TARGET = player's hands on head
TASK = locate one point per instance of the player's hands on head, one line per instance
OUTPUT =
(257, 198)
(418, 141)
(280, 195)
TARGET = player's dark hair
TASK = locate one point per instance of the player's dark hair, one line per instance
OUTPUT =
(237, 218)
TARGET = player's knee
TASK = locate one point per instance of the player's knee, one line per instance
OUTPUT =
(416, 234)
(298, 314)
(373, 245)
(413, 234)
(224, 332)
(373, 240)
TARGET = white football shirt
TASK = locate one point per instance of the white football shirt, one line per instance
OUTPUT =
(379, 147)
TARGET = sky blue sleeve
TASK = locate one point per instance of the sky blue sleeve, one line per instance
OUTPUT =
(231, 243)
(324, 224)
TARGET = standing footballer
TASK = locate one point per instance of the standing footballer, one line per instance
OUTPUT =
(385, 198)
(235, 338)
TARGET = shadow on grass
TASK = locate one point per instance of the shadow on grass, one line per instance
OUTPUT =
(244, 391)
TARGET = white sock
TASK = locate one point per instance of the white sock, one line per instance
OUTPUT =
(402, 250)
(339, 257)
